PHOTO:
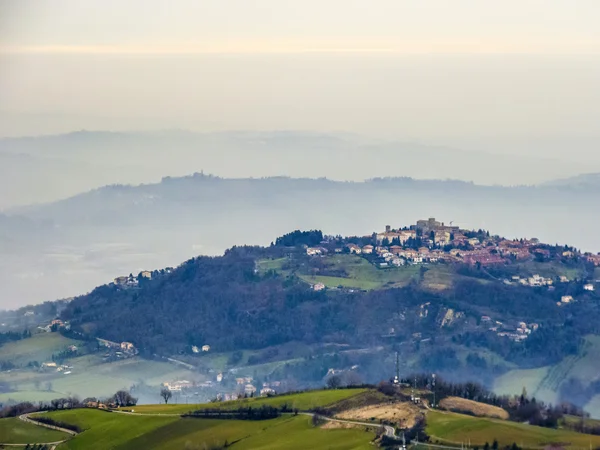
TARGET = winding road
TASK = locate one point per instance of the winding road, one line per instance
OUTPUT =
(389, 430)
(25, 418)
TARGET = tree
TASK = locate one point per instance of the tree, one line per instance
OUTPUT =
(124, 398)
(334, 382)
(166, 395)
(48, 386)
(317, 420)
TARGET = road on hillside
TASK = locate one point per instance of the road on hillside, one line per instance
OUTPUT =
(389, 430)
(25, 418)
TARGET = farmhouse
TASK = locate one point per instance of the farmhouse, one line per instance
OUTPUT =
(318, 287)
(127, 346)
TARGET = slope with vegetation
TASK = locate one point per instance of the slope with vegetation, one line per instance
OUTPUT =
(456, 429)
(16, 431)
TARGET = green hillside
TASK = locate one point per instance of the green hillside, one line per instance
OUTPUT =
(302, 401)
(40, 347)
(90, 375)
(15, 431)
(544, 383)
(104, 430)
(456, 429)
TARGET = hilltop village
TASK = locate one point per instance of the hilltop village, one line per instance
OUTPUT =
(430, 241)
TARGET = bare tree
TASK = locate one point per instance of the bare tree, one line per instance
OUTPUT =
(334, 382)
(166, 395)
(124, 398)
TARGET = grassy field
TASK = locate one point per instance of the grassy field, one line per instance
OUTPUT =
(91, 377)
(39, 347)
(512, 382)
(362, 274)
(457, 429)
(593, 407)
(549, 270)
(105, 430)
(15, 431)
(265, 265)
(29, 396)
(303, 401)
(544, 383)
(289, 433)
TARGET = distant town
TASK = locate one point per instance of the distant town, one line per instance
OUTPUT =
(431, 241)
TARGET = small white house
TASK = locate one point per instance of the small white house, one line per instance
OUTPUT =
(566, 299)
(588, 287)
(205, 348)
(318, 287)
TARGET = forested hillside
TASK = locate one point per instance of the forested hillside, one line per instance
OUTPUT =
(236, 302)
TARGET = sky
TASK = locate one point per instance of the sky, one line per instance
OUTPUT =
(511, 76)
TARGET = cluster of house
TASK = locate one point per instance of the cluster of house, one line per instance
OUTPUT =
(56, 323)
(248, 389)
(205, 348)
(65, 369)
(121, 349)
(430, 241)
(130, 280)
(178, 386)
(535, 280)
(518, 334)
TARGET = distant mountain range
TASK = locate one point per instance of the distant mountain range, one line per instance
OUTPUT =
(64, 248)
(583, 181)
(48, 168)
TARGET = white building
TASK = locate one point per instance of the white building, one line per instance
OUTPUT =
(588, 287)
(318, 287)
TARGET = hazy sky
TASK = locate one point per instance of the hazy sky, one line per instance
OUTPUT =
(460, 71)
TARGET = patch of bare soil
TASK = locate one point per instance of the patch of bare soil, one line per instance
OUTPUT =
(404, 414)
(462, 405)
(340, 425)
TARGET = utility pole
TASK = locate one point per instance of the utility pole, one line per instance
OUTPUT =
(433, 388)
(397, 376)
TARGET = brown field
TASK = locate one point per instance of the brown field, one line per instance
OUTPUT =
(463, 405)
(340, 426)
(404, 414)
